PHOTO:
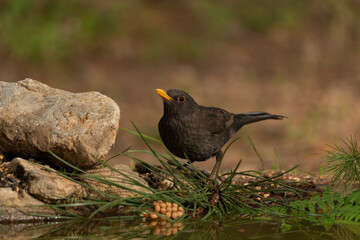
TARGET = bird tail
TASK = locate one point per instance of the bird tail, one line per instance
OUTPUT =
(246, 118)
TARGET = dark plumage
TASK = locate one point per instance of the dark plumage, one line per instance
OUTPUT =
(198, 132)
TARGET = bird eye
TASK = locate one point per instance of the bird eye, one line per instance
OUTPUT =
(181, 99)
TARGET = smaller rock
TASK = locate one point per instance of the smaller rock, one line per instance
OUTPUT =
(44, 184)
(123, 176)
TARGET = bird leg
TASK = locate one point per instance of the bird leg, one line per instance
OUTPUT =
(218, 156)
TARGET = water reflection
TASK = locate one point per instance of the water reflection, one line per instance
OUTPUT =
(137, 229)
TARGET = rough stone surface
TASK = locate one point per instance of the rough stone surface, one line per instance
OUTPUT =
(50, 187)
(44, 184)
(14, 208)
(124, 178)
(35, 118)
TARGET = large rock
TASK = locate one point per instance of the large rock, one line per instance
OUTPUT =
(77, 127)
(44, 184)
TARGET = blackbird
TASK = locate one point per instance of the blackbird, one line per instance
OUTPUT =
(192, 131)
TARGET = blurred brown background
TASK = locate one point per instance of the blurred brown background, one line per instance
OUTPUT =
(296, 58)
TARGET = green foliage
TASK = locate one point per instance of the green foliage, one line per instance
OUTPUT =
(262, 15)
(325, 207)
(343, 162)
(348, 208)
(52, 29)
(159, 31)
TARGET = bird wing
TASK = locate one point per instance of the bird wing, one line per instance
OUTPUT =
(216, 120)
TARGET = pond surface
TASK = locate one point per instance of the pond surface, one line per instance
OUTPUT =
(226, 229)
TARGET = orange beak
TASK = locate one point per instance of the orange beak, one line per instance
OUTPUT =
(163, 94)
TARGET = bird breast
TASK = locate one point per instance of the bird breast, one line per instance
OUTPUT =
(189, 136)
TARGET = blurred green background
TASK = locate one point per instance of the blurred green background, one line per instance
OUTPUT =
(296, 58)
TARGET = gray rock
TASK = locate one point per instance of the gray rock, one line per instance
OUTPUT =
(50, 187)
(122, 175)
(14, 208)
(35, 118)
(44, 184)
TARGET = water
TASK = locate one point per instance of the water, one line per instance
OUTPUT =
(234, 228)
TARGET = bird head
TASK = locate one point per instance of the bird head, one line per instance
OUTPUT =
(177, 102)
